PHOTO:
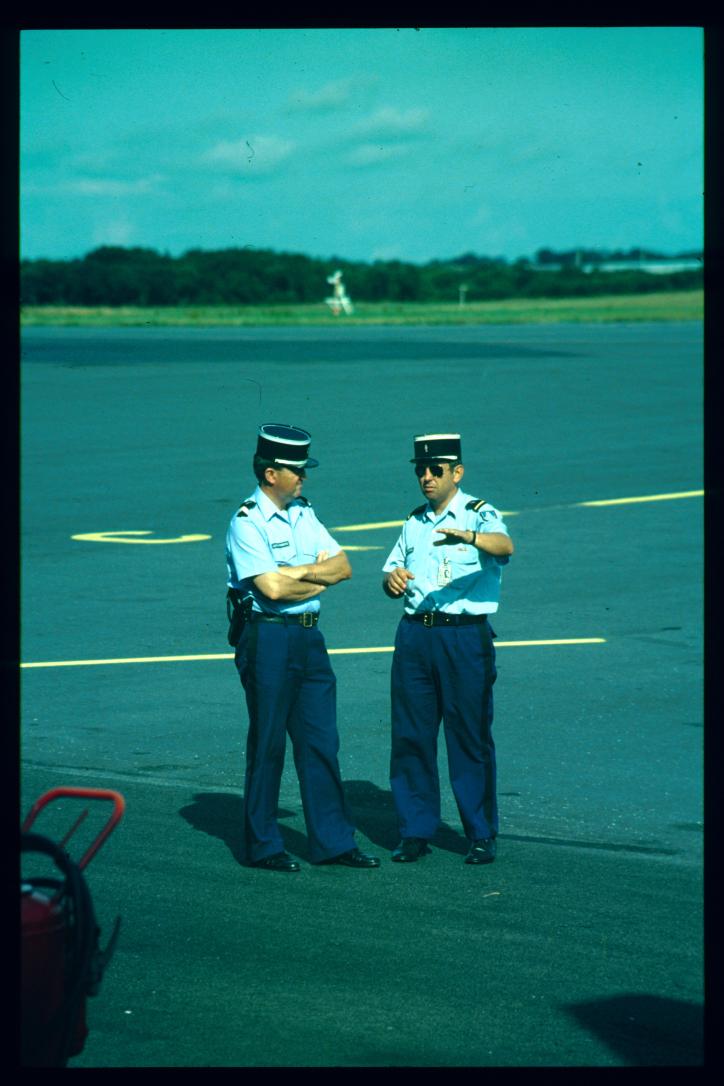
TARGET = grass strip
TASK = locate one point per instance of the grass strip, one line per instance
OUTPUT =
(664, 306)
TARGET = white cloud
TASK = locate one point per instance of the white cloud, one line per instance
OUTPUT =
(391, 121)
(386, 252)
(329, 97)
(254, 154)
(118, 232)
(105, 186)
(483, 214)
(371, 154)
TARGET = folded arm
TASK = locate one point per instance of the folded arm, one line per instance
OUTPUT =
(298, 583)
(327, 571)
(283, 586)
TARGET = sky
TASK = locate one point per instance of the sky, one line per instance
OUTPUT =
(364, 144)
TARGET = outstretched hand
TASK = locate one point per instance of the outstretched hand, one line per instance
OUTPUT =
(452, 535)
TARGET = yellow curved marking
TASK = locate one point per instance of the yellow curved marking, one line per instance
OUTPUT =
(332, 652)
(122, 537)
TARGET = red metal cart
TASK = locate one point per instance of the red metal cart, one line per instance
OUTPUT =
(62, 963)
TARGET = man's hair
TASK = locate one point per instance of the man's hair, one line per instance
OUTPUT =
(260, 465)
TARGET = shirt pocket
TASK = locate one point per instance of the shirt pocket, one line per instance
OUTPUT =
(464, 560)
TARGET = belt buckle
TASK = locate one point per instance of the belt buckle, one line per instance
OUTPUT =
(307, 619)
(427, 619)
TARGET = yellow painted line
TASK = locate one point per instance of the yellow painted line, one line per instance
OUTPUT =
(366, 527)
(347, 652)
(138, 536)
(129, 660)
(332, 652)
(122, 537)
(556, 641)
(648, 498)
(500, 644)
(388, 524)
(517, 513)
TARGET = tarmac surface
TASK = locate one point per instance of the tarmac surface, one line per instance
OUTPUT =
(582, 945)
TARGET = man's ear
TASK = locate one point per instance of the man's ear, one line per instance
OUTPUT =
(458, 472)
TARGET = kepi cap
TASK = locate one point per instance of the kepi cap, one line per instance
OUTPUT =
(437, 447)
(286, 445)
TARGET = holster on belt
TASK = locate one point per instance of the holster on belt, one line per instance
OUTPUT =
(237, 611)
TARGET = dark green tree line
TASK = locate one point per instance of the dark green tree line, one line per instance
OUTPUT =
(117, 276)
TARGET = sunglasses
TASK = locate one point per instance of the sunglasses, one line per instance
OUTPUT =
(435, 469)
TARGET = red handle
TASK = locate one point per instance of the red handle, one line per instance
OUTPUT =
(119, 805)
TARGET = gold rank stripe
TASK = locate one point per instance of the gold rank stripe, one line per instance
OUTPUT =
(516, 513)
(332, 652)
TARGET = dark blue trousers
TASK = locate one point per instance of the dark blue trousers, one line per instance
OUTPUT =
(290, 687)
(443, 673)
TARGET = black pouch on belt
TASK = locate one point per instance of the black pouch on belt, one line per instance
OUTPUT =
(237, 612)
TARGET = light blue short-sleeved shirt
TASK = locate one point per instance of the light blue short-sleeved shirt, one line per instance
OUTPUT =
(264, 537)
(457, 577)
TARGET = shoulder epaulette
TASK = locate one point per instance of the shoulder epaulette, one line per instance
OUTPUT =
(303, 500)
(244, 506)
(416, 512)
(476, 504)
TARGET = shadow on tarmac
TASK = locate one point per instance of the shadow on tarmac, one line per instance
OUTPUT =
(645, 1030)
(177, 346)
(374, 814)
(372, 809)
(219, 814)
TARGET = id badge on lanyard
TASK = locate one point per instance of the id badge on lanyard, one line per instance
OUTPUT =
(444, 573)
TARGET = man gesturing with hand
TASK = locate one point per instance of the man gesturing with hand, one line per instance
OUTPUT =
(446, 566)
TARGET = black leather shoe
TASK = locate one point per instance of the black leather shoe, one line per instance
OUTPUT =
(354, 858)
(482, 851)
(410, 849)
(280, 861)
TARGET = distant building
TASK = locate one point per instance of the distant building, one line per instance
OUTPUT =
(653, 265)
(664, 266)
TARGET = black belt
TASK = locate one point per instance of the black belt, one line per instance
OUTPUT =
(443, 618)
(305, 618)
